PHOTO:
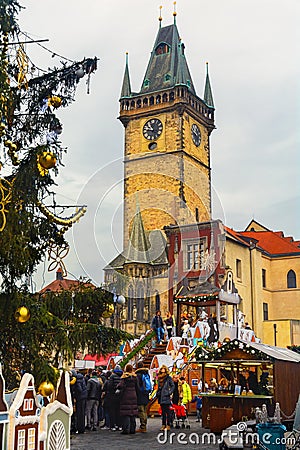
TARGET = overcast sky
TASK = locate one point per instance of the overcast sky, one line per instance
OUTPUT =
(252, 47)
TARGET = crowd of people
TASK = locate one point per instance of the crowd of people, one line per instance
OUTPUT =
(112, 400)
(115, 398)
(166, 328)
(118, 397)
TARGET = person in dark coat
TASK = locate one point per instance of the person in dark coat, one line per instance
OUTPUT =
(128, 391)
(114, 399)
(213, 329)
(169, 324)
(105, 402)
(164, 392)
(80, 395)
(142, 398)
(177, 394)
(158, 326)
(94, 391)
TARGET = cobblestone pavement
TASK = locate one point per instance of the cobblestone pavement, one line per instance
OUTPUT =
(195, 437)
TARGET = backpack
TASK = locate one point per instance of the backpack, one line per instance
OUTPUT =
(146, 383)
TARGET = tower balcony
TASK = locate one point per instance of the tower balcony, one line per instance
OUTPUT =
(157, 102)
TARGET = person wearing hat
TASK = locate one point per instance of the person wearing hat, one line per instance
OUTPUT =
(114, 399)
(80, 395)
(142, 396)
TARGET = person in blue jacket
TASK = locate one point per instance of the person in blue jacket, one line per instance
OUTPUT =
(198, 400)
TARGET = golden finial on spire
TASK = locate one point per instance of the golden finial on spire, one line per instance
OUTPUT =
(174, 13)
(160, 17)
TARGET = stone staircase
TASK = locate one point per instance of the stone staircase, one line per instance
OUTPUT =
(158, 350)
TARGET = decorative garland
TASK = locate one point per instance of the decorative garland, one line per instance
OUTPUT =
(218, 353)
(200, 298)
(294, 348)
(68, 221)
(141, 344)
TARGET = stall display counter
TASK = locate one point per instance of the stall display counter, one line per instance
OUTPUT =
(243, 406)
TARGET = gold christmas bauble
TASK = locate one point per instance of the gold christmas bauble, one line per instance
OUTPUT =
(108, 311)
(47, 160)
(22, 314)
(55, 101)
(46, 388)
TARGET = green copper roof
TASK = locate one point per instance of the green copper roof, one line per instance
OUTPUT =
(138, 244)
(208, 97)
(167, 66)
(126, 88)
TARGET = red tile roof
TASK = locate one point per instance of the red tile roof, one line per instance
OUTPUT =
(236, 235)
(64, 284)
(272, 242)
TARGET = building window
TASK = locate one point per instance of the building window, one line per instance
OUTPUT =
(21, 440)
(28, 404)
(140, 303)
(238, 266)
(263, 278)
(195, 255)
(31, 439)
(130, 303)
(157, 302)
(266, 311)
(291, 279)
(197, 214)
(162, 49)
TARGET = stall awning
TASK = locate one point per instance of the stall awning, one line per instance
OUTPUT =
(100, 360)
(202, 292)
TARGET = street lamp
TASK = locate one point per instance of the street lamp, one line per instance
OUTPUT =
(119, 303)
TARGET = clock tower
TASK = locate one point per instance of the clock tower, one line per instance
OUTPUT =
(167, 179)
(167, 131)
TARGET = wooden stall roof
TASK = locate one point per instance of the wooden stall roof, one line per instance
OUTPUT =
(278, 353)
(237, 349)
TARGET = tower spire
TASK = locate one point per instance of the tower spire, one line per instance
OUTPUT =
(138, 246)
(208, 97)
(167, 65)
(126, 88)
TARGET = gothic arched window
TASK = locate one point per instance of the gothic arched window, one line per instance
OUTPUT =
(130, 303)
(162, 49)
(157, 302)
(140, 303)
(291, 279)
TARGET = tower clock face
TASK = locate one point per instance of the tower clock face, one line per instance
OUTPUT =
(152, 129)
(196, 135)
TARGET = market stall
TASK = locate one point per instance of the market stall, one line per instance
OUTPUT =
(257, 374)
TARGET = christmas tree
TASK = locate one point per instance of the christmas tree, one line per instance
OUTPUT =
(38, 333)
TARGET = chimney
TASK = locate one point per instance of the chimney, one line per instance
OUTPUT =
(59, 275)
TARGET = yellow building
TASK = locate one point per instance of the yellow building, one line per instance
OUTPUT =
(266, 265)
